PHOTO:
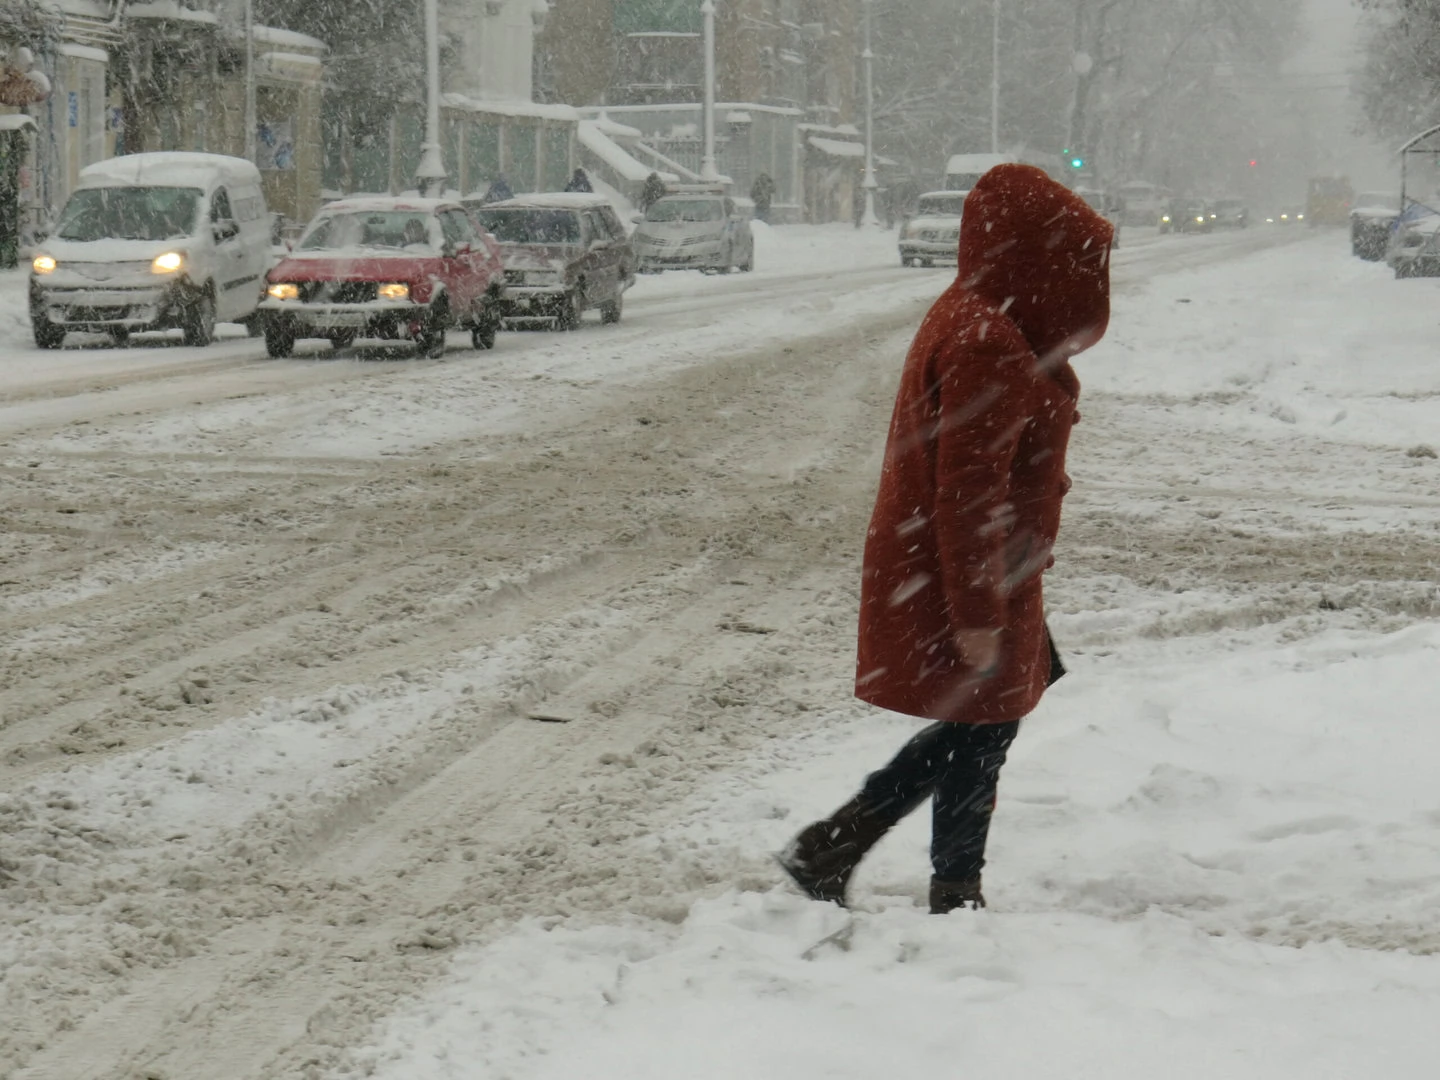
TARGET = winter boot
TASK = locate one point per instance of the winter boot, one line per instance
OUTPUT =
(825, 854)
(946, 896)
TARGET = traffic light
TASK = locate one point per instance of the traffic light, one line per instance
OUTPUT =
(1253, 163)
(1076, 160)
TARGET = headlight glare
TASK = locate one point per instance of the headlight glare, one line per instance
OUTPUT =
(44, 264)
(283, 291)
(394, 290)
(167, 263)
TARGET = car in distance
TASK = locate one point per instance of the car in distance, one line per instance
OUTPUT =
(1230, 213)
(152, 242)
(563, 253)
(934, 232)
(1286, 215)
(1186, 216)
(694, 231)
(1372, 219)
(386, 267)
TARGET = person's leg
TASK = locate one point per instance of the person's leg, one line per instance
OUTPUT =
(825, 853)
(964, 800)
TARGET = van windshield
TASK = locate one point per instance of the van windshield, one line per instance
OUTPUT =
(129, 213)
(961, 181)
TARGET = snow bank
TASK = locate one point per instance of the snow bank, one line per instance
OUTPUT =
(1214, 866)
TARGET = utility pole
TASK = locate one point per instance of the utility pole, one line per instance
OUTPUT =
(994, 76)
(430, 175)
(252, 120)
(708, 172)
(869, 218)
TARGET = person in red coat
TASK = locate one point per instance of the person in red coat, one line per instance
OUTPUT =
(952, 625)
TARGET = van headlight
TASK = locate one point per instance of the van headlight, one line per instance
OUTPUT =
(283, 291)
(394, 290)
(168, 263)
(44, 264)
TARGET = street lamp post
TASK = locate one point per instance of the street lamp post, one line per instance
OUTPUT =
(430, 175)
(994, 76)
(252, 121)
(868, 183)
(708, 172)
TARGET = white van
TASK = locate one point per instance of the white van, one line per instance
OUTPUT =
(963, 171)
(152, 242)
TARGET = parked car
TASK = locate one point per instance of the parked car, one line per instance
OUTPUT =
(694, 231)
(153, 242)
(1230, 214)
(563, 254)
(1414, 246)
(934, 232)
(394, 268)
(1186, 216)
(1108, 206)
(1372, 219)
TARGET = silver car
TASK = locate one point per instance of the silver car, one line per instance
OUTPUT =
(934, 232)
(694, 232)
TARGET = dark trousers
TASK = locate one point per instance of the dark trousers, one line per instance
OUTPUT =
(958, 766)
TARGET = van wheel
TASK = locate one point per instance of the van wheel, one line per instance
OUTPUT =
(121, 336)
(254, 325)
(47, 334)
(279, 339)
(197, 320)
(611, 311)
(749, 263)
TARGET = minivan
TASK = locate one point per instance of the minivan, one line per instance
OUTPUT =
(152, 242)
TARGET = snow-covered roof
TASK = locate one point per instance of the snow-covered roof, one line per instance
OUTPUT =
(511, 108)
(837, 147)
(290, 39)
(554, 200)
(16, 121)
(293, 65)
(169, 9)
(169, 168)
(976, 163)
(83, 52)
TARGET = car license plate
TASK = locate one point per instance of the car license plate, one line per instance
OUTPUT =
(341, 319)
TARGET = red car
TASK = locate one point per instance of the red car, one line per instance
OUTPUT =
(393, 268)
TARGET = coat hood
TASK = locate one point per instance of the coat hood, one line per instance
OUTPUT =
(1040, 254)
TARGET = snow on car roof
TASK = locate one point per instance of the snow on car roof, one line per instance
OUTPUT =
(556, 200)
(168, 168)
(389, 202)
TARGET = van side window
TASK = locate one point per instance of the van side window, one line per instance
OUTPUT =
(220, 207)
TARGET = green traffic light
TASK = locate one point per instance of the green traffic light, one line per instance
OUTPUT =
(1077, 163)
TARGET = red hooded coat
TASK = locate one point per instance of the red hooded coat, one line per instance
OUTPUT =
(969, 501)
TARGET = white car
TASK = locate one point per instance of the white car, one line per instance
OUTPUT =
(700, 232)
(934, 232)
(153, 242)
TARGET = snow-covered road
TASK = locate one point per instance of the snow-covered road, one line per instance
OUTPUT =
(318, 675)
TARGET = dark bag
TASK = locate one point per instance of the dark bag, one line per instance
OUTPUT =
(1057, 666)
